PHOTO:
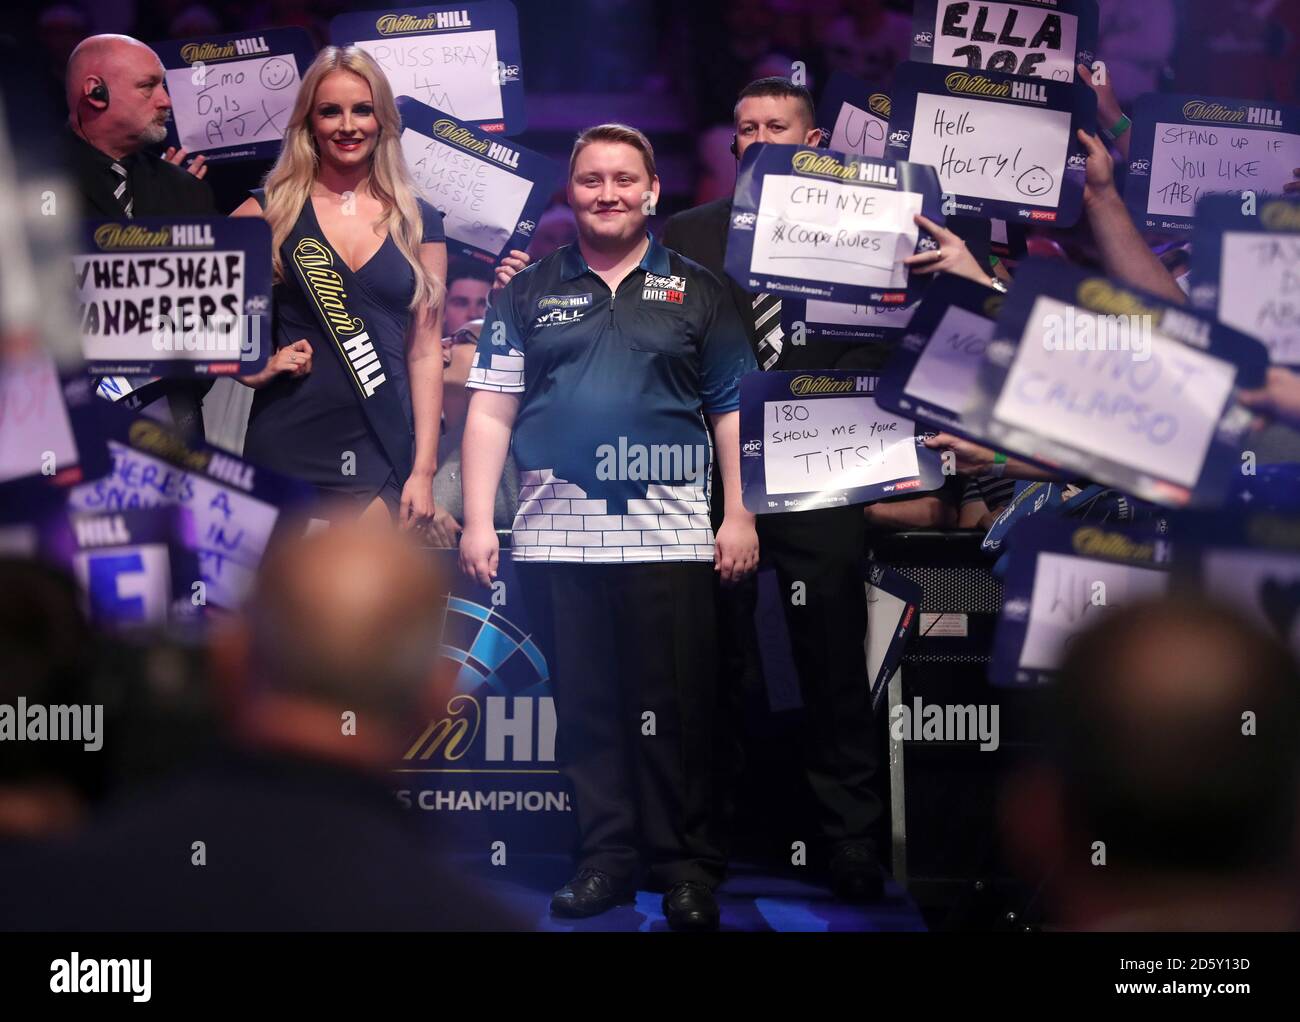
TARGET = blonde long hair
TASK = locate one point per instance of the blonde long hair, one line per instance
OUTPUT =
(288, 184)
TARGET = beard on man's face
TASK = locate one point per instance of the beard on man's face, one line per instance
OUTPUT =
(154, 133)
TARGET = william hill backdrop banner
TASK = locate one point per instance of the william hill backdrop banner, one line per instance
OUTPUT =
(485, 765)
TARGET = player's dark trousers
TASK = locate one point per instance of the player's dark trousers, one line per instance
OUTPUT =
(822, 549)
(623, 642)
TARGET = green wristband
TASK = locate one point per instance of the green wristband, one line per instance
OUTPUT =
(999, 459)
(1120, 126)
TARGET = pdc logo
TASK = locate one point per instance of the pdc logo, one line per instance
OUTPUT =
(1140, 167)
(526, 226)
(923, 38)
(1077, 161)
(751, 448)
(744, 221)
(900, 137)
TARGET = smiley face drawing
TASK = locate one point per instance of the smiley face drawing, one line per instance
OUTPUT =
(276, 73)
(1034, 182)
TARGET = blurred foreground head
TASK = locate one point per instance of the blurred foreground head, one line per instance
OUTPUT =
(346, 619)
(47, 651)
(1174, 742)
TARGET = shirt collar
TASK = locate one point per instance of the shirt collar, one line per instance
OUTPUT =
(655, 260)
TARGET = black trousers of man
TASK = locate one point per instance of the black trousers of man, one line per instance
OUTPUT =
(623, 641)
(823, 549)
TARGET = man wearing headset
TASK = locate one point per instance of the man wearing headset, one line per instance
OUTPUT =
(118, 107)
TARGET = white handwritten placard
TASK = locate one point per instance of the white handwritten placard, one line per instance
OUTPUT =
(1043, 38)
(932, 374)
(843, 444)
(1189, 162)
(1064, 576)
(818, 439)
(462, 59)
(840, 233)
(853, 116)
(1101, 381)
(1072, 593)
(1186, 147)
(1157, 415)
(946, 370)
(1261, 288)
(35, 427)
(1003, 145)
(817, 224)
(162, 296)
(491, 192)
(968, 143)
(1246, 269)
(234, 505)
(232, 94)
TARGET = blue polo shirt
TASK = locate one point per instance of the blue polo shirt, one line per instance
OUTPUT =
(610, 439)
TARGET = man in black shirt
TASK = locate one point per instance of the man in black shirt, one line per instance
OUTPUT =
(822, 548)
(117, 107)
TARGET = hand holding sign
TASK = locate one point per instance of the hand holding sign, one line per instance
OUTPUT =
(1280, 395)
(952, 255)
(511, 263)
(176, 157)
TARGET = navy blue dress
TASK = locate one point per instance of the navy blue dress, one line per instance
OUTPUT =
(304, 427)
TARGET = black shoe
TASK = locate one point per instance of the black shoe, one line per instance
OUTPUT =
(590, 893)
(689, 905)
(856, 875)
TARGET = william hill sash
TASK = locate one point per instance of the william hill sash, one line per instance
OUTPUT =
(342, 306)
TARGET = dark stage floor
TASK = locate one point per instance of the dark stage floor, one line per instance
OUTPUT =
(750, 901)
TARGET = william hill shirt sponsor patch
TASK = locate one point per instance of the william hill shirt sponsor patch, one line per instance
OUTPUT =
(564, 301)
(664, 289)
(557, 310)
